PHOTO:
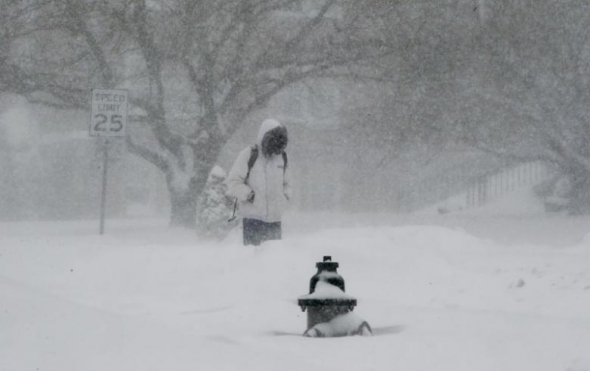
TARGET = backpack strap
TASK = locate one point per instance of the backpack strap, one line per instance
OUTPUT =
(285, 161)
(252, 159)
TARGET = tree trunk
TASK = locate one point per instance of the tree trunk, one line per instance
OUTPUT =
(183, 208)
(579, 198)
(184, 198)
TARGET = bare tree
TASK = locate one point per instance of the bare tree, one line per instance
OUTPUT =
(195, 68)
(531, 100)
(508, 78)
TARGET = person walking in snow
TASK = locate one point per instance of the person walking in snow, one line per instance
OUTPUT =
(259, 180)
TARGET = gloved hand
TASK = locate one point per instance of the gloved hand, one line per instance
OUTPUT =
(251, 197)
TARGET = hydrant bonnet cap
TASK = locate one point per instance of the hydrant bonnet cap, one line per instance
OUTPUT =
(327, 263)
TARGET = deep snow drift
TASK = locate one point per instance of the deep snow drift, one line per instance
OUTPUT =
(465, 294)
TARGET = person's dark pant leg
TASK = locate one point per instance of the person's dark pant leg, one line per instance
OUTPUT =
(273, 231)
(252, 232)
(257, 231)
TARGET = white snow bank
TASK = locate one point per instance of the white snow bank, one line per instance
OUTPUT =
(146, 297)
(348, 324)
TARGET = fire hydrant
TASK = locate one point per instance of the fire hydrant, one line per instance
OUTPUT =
(329, 308)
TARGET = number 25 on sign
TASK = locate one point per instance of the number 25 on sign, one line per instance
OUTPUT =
(109, 113)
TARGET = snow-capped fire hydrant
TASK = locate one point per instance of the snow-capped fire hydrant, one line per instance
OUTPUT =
(329, 308)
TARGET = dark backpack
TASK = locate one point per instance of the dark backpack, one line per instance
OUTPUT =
(251, 161)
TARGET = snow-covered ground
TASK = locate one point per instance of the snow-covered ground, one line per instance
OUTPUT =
(455, 292)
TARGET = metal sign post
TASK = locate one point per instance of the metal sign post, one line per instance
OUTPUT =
(108, 119)
(103, 193)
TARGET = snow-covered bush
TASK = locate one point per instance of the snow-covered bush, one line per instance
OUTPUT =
(214, 207)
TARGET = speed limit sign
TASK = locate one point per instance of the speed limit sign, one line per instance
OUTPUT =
(109, 113)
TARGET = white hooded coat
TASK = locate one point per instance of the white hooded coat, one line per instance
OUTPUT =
(269, 179)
